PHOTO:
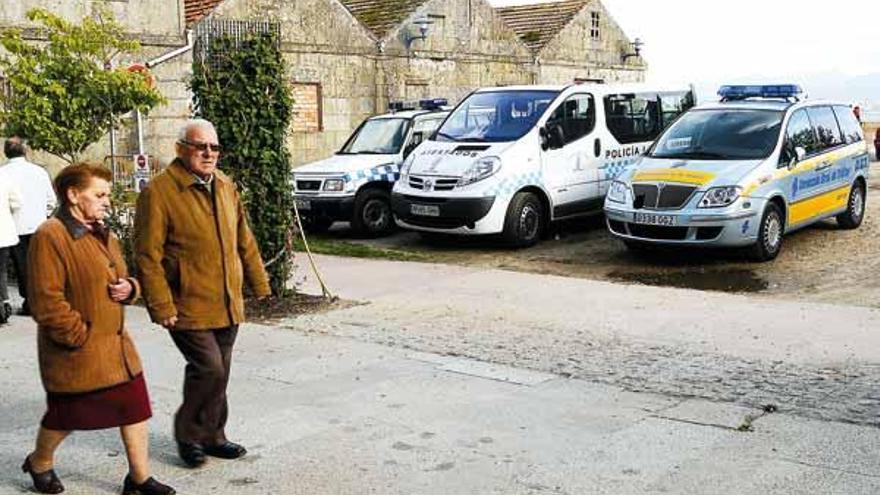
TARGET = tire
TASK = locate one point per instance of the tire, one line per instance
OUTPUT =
(770, 235)
(316, 225)
(372, 214)
(855, 208)
(524, 222)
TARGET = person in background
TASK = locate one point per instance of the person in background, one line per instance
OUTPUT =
(10, 202)
(89, 366)
(38, 201)
(194, 251)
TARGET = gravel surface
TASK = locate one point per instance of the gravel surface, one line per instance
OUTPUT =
(821, 263)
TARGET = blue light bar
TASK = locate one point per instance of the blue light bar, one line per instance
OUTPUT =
(736, 92)
(433, 104)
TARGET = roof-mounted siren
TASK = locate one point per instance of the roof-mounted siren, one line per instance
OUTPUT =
(790, 92)
(400, 106)
(433, 103)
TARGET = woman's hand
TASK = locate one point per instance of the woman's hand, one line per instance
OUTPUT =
(121, 290)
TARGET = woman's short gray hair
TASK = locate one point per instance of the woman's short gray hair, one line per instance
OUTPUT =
(195, 124)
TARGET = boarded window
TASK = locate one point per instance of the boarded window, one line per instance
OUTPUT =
(594, 26)
(307, 107)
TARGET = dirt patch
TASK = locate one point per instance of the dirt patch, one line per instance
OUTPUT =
(274, 309)
(820, 263)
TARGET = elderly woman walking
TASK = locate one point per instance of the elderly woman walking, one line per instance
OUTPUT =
(88, 364)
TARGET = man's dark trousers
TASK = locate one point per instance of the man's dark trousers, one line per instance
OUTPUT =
(202, 416)
(19, 263)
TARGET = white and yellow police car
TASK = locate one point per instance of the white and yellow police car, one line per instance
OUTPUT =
(744, 171)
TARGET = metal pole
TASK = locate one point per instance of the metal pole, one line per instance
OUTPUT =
(113, 152)
(140, 131)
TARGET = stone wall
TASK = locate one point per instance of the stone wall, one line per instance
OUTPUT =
(330, 53)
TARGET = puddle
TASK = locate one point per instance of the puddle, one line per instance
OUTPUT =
(737, 280)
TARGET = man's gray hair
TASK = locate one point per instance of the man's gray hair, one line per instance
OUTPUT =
(195, 124)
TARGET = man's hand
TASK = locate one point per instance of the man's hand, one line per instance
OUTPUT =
(121, 290)
(169, 323)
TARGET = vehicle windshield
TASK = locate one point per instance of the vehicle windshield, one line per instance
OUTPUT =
(496, 116)
(721, 134)
(377, 137)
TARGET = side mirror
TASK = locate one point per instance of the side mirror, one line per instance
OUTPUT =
(416, 140)
(556, 136)
(545, 140)
(796, 156)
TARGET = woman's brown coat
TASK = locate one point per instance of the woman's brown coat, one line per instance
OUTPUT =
(82, 343)
(194, 250)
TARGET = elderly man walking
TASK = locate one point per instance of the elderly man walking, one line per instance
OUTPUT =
(37, 202)
(194, 249)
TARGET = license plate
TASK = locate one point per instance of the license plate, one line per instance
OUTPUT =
(425, 210)
(303, 204)
(654, 219)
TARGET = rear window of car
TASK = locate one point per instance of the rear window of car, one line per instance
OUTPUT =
(849, 126)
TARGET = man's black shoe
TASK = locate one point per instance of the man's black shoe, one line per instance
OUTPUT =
(193, 454)
(227, 450)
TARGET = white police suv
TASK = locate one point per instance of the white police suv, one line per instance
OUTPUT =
(355, 184)
(744, 171)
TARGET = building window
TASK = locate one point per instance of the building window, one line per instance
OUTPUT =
(307, 107)
(594, 26)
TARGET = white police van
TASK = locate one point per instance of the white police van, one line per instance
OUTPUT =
(509, 160)
(355, 184)
(744, 171)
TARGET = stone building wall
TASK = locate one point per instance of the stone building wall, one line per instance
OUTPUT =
(342, 71)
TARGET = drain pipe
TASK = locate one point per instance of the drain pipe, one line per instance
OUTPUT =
(190, 42)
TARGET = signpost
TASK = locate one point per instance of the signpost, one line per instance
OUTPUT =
(141, 172)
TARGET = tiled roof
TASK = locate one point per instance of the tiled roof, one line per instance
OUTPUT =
(195, 10)
(381, 16)
(537, 24)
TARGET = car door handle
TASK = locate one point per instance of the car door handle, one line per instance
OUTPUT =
(824, 166)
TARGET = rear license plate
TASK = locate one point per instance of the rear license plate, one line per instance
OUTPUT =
(654, 219)
(425, 210)
(303, 204)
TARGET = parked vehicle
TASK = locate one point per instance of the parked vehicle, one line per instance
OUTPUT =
(355, 184)
(509, 160)
(743, 172)
(877, 144)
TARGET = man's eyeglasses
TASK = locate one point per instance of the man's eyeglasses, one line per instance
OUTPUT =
(202, 147)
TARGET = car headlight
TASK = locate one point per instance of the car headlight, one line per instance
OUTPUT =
(481, 169)
(334, 185)
(407, 164)
(717, 197)
(618, 191)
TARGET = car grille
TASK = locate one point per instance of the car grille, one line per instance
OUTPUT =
(308, 185)
(433, 183)
(670, 196)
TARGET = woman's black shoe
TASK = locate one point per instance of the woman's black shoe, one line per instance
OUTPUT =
(149, 487)
(45, 482)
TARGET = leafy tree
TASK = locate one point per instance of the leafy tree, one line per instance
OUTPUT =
(61, 94)
(240, 87)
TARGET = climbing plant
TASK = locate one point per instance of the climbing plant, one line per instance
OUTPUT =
(240, 87)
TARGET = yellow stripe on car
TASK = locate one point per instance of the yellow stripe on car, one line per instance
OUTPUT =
(817, 205)
(694, 177)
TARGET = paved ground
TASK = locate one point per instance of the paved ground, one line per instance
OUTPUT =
(455, 380)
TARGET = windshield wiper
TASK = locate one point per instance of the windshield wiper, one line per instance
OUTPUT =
(472, 140)
(695, 155)
(447, 136)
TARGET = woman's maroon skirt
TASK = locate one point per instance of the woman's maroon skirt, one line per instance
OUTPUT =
(123, 404)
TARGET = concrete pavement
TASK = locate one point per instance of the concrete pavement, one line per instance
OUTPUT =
(345, 403)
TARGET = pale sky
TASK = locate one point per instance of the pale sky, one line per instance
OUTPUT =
(706, 42)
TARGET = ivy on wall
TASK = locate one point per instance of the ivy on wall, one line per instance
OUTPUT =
(241, 88)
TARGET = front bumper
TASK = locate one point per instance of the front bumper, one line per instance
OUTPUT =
(335, 208)
(730, 227)
(454, 215)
